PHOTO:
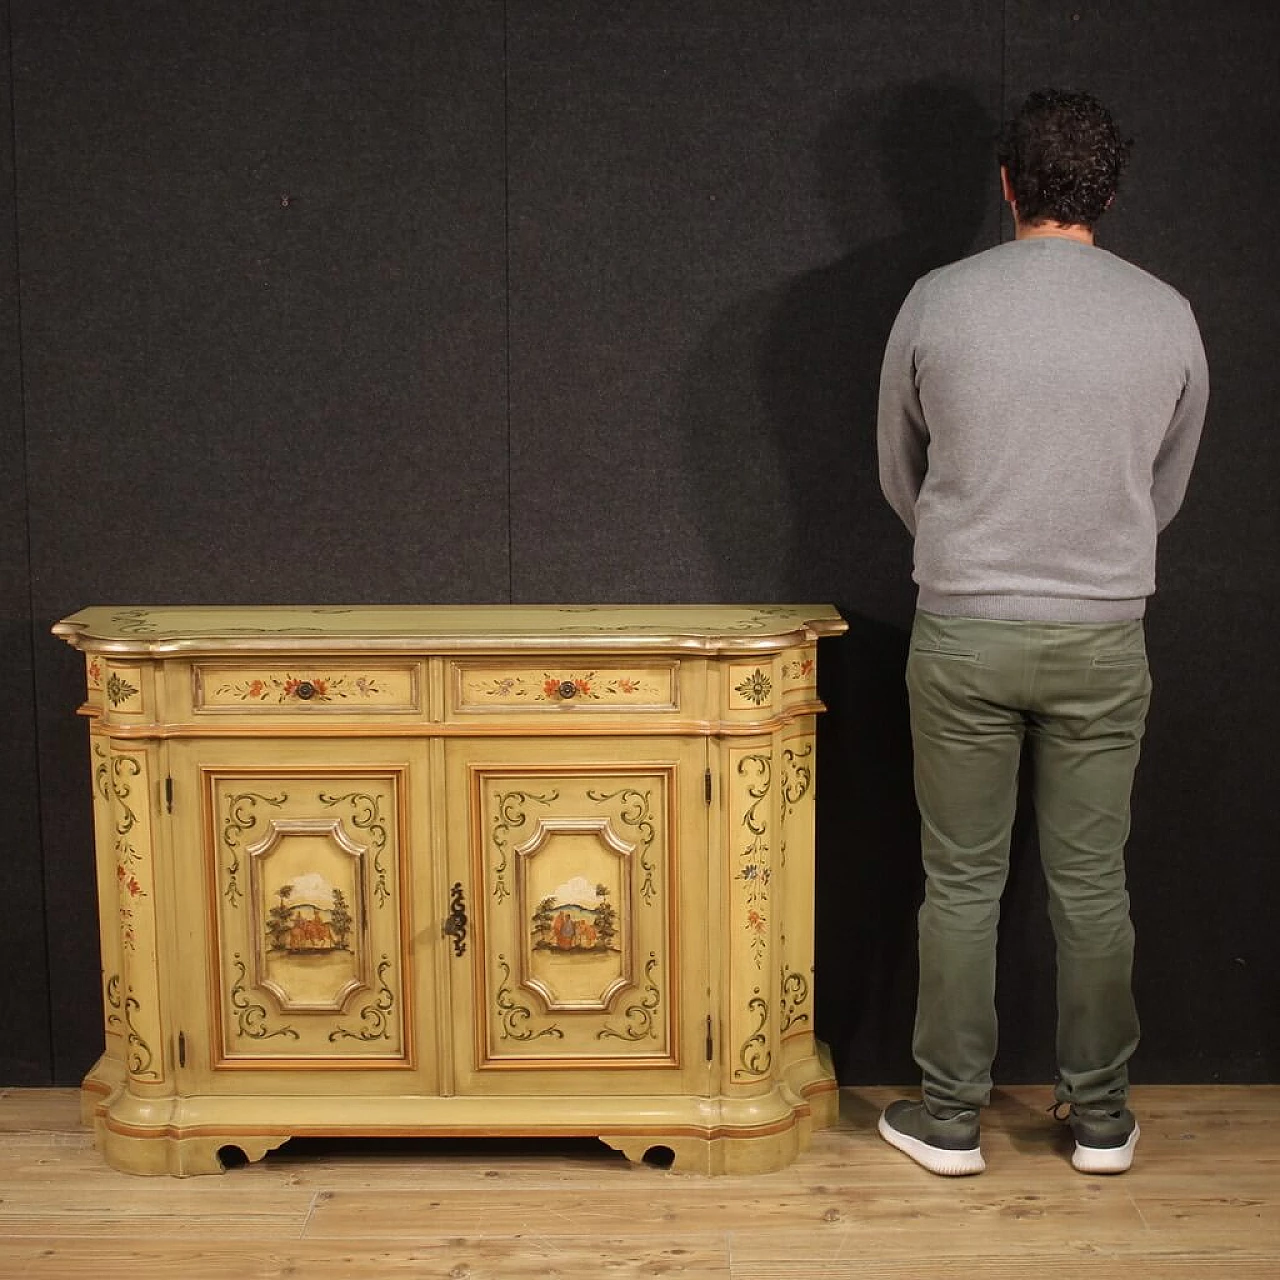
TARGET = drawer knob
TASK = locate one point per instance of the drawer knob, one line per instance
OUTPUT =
(567, 689)
(305, 690)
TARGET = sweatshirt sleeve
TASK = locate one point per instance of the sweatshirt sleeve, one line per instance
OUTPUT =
(1172, 467)
(901, 434)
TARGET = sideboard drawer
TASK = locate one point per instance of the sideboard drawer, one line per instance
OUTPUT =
(307, 687)
(556, 687)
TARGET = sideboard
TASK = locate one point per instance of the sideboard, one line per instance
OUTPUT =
(455, 871)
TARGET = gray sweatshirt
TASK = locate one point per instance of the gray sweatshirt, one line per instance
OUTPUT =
(1040, 408)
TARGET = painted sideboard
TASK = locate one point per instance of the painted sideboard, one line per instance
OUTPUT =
(455, 871)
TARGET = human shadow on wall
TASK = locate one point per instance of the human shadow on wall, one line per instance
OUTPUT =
(780, 408)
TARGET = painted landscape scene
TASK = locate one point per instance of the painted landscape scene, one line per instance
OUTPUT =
(577, 918)
(310, 917)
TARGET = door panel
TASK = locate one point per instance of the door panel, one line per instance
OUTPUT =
(306, 884)
(584, 871)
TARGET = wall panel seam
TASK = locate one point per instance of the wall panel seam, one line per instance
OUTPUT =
(24, 496)
(506, 277)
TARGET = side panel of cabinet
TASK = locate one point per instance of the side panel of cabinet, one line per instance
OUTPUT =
(112, 882)
(584, 867)
(296, 868)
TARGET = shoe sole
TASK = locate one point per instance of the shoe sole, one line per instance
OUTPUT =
(1105, 1159)
(949, 1164)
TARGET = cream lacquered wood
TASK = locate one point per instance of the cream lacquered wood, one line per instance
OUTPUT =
(291, 804)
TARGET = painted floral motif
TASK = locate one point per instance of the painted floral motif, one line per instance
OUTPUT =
(128, 937)
(129, 882)
(571, 686)
(754, 869)
(291, 688)
(95, 671)
(119, 690)
(797, 669)
(123, 769)
(756, 688)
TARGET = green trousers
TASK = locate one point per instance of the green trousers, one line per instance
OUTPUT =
(1077, 693)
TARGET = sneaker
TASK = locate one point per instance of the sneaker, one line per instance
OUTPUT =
(945, 1146)
(1104, 1139)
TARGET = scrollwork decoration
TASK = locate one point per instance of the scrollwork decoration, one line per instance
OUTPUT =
(515, 1017)
(797, 778)
(366, 816)
(754, 869)
(762, 617)
(639, 1016)
(133, 622)
(795, 994)
(112, 995)
(252, 1018)
(636, 811)
(122, 769)
(373, 1016)
(241, 818)
(140, 1056)
(510, 816)
(755, 1054)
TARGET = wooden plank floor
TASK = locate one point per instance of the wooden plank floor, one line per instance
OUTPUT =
(1203, 1199)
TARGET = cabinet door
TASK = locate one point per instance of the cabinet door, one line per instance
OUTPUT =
(582, 862)
(294, 875)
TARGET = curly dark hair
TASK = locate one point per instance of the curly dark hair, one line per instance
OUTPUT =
(1064, 157)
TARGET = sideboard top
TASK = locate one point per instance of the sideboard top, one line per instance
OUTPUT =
(202, 629)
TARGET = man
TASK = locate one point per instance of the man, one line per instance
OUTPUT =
(1040, 407)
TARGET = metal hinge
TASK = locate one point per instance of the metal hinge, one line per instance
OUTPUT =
(182, 1049)
(168, 795)
(710, 1042)
(706, 780)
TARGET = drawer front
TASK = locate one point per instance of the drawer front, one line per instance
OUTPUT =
(556, 687)
(309, 687)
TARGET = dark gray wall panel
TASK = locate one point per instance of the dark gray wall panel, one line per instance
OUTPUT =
(264, 309)
(1197, 89)
(264, 304)
(24, 999)
(716, 210)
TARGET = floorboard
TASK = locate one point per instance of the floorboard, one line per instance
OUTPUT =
(1202, 1200)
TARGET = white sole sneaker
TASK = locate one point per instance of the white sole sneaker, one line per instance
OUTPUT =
(950, 1164)
(1105, 1159)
